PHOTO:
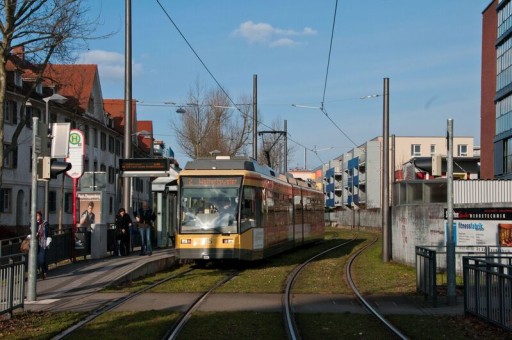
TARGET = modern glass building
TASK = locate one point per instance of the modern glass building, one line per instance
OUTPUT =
(496, 91)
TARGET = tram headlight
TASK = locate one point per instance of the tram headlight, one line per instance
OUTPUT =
(228, 241)
(186, 241)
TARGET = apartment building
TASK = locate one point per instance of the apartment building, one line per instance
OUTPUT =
(354, 178)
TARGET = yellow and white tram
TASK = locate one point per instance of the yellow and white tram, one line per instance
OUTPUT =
(239, 209)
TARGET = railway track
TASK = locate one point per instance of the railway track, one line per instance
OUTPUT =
(348, 271)
(174, 329)
(289, 320)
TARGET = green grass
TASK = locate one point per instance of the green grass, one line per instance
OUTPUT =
(37, 325)
(128, 325)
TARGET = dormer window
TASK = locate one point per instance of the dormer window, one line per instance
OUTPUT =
(18, 81)
(39, 88)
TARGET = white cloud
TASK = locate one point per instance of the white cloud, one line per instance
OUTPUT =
(110, 64)
(267, 34)
(283, 42)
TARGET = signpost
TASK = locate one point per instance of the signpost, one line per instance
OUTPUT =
(76, 158)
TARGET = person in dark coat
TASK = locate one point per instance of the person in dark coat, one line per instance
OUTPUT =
(123, 225)
(43, 232)
(145, 218)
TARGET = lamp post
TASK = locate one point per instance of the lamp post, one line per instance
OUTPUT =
(59, 99)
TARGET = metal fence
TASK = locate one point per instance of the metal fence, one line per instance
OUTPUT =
(488, 289)
(12, 282)
(426, 264)
(431, 260)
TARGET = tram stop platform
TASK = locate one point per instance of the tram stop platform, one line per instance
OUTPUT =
(73, 286)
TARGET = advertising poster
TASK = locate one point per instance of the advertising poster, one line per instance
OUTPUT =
(482, 226)
(90, 208)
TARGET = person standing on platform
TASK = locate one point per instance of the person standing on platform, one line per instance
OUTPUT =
(43, 232)
(145, 218)
(123, 226)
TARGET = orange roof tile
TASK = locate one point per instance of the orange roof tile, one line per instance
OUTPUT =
(74, 81)
(115, 107)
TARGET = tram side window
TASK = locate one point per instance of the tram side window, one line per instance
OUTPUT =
(250, 205)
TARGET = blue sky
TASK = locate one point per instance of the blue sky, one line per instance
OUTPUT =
(430, 51)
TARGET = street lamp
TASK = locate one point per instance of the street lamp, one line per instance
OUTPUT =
(61, 100)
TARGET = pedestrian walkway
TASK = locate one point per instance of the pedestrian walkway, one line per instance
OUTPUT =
(75, 284)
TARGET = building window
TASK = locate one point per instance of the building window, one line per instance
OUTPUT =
(86, 164)
(103, 168)
(95, 166)
(462, 150)
(118, 148)
(11, 112)
(111, 174)
(18, 81)
(111, 145)
(415, 150)
(52, 201)
(39, 88)
(86, 134)
(5, 200)
(68, 203)
(432, 149)
(507, 159)
(28, 117)
(11, 157)
(95, 137)
(103, 141)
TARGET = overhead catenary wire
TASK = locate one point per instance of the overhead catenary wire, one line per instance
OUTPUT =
(215, 79)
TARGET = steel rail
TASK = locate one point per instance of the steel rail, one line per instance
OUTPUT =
(103, 309)
(291, 326)
(178, 326)
(364, 302)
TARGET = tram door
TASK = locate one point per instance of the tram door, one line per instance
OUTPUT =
(165, 203)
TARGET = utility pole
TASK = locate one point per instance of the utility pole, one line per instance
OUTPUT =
(32, 253)
(450, 242)
(255, 117)
(386, 241)
(127, 101)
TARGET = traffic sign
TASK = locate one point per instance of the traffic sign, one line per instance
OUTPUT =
(76, 153)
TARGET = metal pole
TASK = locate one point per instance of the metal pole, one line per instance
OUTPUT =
(450, 242)
(127, 101)
(255, 117)
(305, 158)
(386, 244)
(47, 183)
(285, 146)
(32, 254)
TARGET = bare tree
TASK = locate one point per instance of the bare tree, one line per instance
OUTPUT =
(209, 122)
(42, 30)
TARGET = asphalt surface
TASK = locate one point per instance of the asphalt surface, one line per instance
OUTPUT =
(76, 287)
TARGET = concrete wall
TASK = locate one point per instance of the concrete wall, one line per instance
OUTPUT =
(421, 225)
(357, 218)
(415, 225)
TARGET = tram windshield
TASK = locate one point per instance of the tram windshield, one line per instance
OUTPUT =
(207, 208)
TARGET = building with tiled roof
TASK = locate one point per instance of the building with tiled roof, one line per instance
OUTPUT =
(102, 123)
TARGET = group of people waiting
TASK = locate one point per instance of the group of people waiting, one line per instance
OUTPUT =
(123, 223)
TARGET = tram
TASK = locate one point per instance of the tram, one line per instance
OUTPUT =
(235, 208)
